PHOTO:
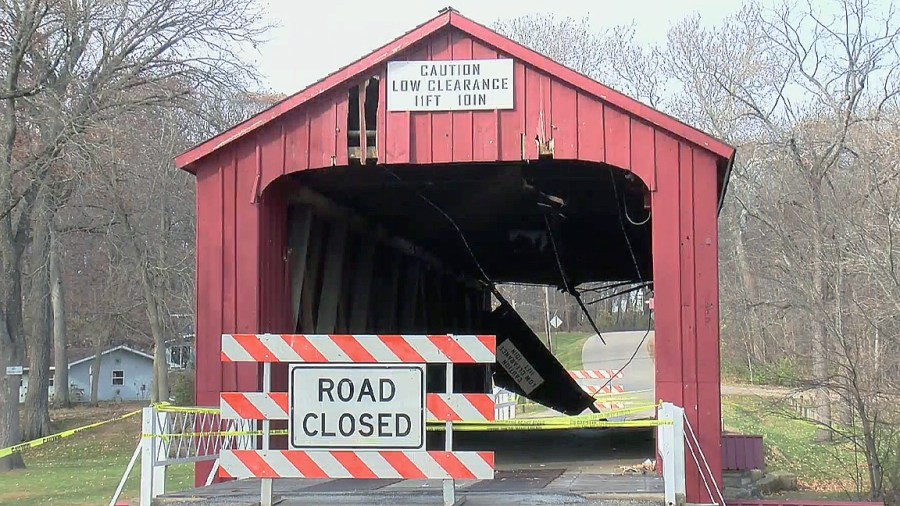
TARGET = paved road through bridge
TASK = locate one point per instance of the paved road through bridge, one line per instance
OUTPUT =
(638, 377)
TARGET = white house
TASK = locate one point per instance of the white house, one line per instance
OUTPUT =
(125, 374)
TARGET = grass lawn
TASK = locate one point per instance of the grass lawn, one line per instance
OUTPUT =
(790, 446)
(84, 469)
(567, 348)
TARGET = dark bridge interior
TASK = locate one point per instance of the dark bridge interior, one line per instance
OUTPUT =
(598, 215)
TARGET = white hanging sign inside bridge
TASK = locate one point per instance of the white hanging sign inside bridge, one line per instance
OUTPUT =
(518, 367)
(357, 407)
(451, 85)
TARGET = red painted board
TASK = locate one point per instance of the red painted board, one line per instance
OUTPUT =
(643, 158)
(421, 148)
(688, 268)
(321, 133)
(462, 127)
(271, 140)
(667, 266)
(209, 250)
(590, 129)
(296, 137)
(382, 130)
(247, 264)
(617, 129)
(537, 111)
(564, 121)
(706, 264)
(341, 109)
(228, 273)
(441, 121)
(512, 121)
(485, 124)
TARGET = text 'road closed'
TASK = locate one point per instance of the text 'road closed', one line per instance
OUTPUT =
(347, 406)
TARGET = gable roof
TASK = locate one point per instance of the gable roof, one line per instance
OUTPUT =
(450, 17)
(106, 352)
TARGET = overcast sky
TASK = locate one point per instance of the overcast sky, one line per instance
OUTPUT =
(313, 38)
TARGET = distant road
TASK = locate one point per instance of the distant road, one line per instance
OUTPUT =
(638, 375)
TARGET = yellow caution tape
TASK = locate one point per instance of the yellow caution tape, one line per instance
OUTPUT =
(617, 397)
(592, 420)
(5, 452)
(169, 408)
(613, 413)
(502, 425)
(584, 424)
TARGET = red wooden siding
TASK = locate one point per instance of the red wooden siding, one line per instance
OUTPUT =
(685, 268)
(742, 453)
(581, 126)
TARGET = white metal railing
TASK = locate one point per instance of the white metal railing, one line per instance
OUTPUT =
(178, 435)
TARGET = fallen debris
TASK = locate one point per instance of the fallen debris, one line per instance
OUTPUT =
(647, 466)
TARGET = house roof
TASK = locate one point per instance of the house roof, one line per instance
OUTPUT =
(450, 17)
(90, 354)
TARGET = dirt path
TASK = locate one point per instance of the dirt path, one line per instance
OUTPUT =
(757, 390)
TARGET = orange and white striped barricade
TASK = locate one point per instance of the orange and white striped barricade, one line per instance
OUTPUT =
(597, 382)
(357, 408)
(609, 396)
(595, 374)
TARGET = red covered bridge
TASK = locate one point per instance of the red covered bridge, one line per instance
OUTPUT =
(338, 211)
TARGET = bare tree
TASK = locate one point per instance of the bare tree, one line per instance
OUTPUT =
(808, 235)
(68, 68)
(60, 335)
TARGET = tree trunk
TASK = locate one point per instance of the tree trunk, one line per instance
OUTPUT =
(160, 365)
(756, 335)
(11, 340)
(60, 339)
(819, 331)
(95, 370)
(11, 346)
(10, 355)
(38, 339)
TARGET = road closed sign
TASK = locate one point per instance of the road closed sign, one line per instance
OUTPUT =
(357, 407)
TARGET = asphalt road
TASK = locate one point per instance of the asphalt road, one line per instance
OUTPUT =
(638, 376)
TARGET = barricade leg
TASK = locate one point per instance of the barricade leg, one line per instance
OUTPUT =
(134, 457)
(265, 487)
(148, 445)
(449, 486)
(678, 439)
(163, 426)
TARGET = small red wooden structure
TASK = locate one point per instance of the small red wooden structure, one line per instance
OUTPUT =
(565, 134)
(742, 452)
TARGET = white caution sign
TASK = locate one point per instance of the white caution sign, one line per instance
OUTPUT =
(357, 406)
(518, 367)
(452, 85)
